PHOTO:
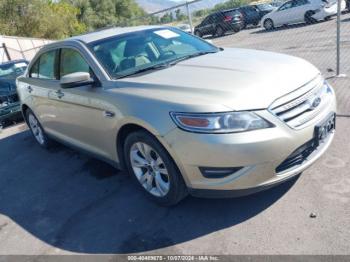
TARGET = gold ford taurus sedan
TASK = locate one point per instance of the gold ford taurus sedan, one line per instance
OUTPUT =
(181, 115)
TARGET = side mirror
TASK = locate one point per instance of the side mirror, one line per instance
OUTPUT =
(76, 79)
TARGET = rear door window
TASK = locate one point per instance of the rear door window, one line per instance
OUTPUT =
(34, 71)
(45, 66)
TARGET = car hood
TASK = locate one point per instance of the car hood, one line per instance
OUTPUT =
(239, 79)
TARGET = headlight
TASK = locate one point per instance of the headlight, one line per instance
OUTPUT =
(230, 122)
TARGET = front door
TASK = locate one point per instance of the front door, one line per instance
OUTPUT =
(82, 118)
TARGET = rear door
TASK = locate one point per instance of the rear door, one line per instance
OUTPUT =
(208, 25)
(41, 80)
(300, 7)
(251, 14)
(284, 14)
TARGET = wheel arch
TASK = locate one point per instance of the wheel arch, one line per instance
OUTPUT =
(130, 127)
(133, 126)
(24, 108)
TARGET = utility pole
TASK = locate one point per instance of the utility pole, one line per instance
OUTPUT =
(338, 39)
(189, 16)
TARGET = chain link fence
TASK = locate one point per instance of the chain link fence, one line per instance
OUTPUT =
(312, 34)
(14, 48)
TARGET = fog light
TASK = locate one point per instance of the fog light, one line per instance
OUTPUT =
(218, 172)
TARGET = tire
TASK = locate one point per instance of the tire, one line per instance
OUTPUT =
(198, 33)
(236, 29)
(308, 17)
(327, 18)
(153, 168)
(268, 24)
(219, 31)
(37, 130)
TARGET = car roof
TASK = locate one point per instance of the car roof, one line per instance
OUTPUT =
(109, 32)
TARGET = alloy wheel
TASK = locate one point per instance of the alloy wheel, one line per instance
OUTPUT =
(36, 129)
(149, 169)
(268, 24)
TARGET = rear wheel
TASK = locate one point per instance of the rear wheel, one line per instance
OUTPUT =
(37, 130)
(236, 29)
(268, 24)
(154, 169)
(308, 17)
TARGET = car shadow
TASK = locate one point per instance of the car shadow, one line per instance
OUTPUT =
(211, 37)
(80, 204)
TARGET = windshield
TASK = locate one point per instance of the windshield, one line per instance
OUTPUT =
(131, 53)
(265, 7)
(13, 69)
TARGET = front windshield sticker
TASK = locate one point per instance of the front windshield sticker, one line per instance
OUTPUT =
(166, 33)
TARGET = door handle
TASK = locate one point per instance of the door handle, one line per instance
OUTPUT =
(59, 94)
(30, 89)
(108, 114)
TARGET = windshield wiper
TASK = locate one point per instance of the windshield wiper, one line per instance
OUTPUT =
(154, 67)
(174, 62)
(167, 64)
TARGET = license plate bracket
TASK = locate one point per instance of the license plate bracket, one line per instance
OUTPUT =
(323, 130)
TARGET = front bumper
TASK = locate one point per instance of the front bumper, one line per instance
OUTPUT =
(259, 152)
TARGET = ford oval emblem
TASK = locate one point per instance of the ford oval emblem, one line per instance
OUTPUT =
(316, 102)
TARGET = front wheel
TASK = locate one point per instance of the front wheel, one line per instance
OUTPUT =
(154, 169)
(268, 24)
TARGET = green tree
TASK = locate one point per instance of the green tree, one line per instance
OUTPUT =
(231, 4)
(179, 15)
(167, 18)
(39, 18)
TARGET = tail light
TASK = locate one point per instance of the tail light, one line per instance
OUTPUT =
(228, 18)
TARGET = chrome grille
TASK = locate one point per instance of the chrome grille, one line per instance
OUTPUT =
(301, 106)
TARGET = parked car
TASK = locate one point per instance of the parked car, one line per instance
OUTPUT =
(9, 103)
(181, 115)
(185, 27)
(300, 11)
(252, 14)
(217, 24)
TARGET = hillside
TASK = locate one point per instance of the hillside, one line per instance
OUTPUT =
(151, 6)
